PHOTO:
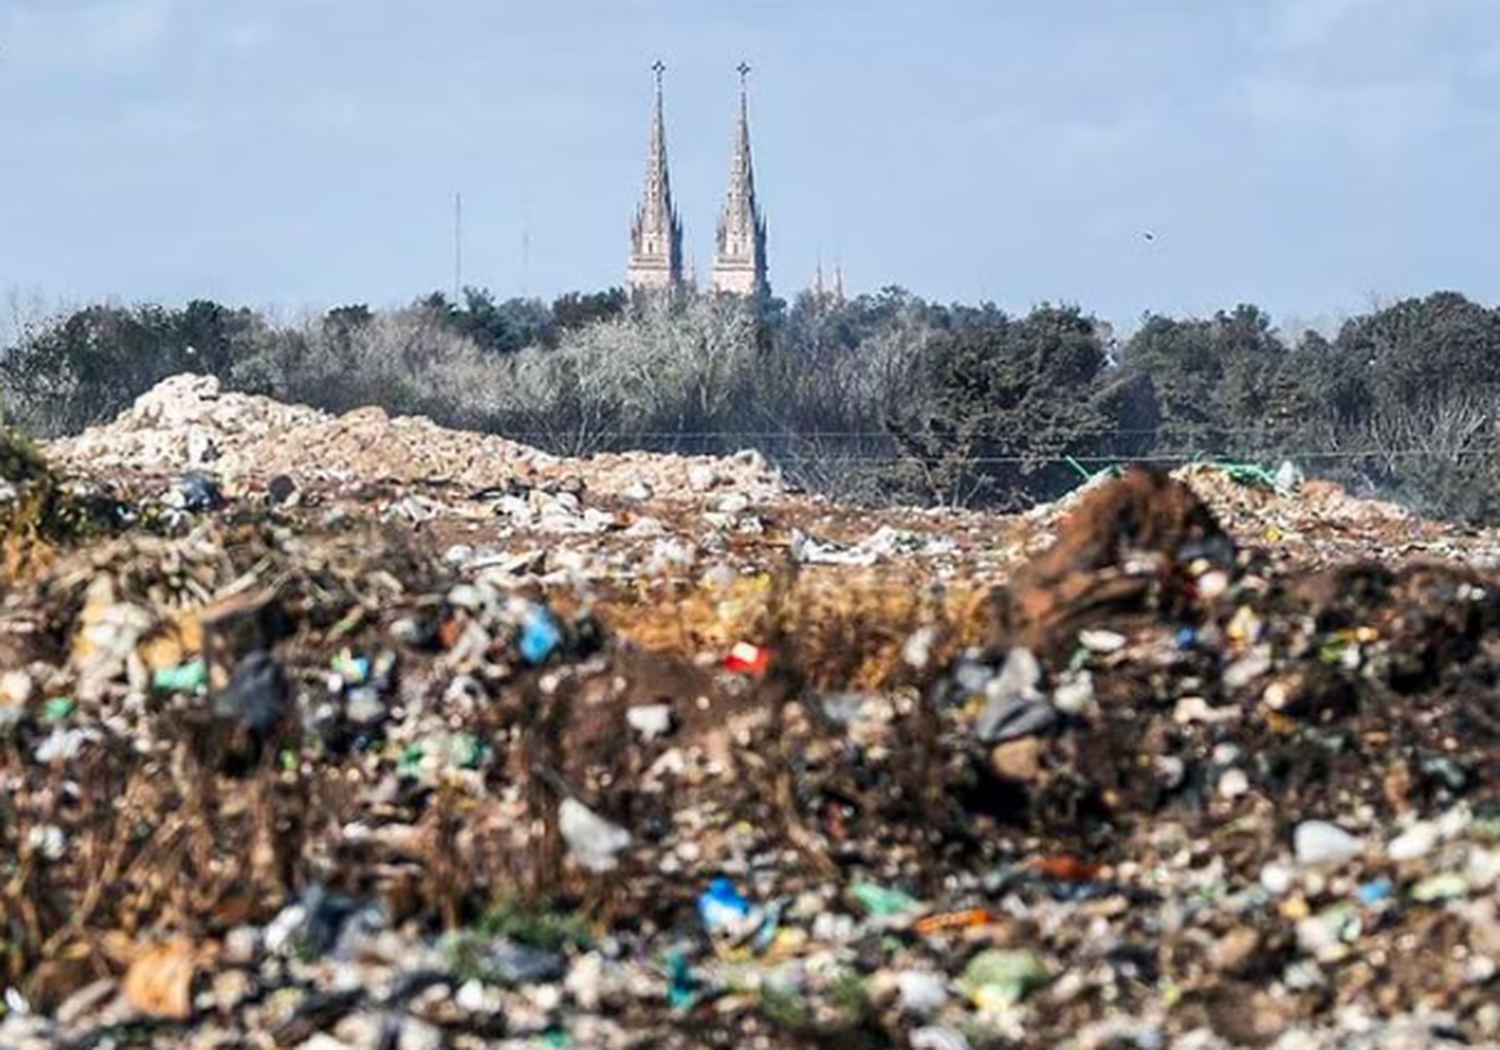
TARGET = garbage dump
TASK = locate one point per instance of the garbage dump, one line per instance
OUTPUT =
(356, 732)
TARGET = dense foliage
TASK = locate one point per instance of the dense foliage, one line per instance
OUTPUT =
(884, 397)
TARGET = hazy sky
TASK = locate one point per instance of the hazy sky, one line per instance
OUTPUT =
(1312, 156)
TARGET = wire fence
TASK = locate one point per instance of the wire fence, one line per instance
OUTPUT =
(1172, 458)
(822, 445)
(1441, 474)
(886, 434)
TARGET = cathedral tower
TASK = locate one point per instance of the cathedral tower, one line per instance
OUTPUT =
(656, 236)
(740, 250)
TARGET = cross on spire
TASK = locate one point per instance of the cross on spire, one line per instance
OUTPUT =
(740, 258)
(656, 236)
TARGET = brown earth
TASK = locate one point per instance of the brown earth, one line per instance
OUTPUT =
(1217, 665)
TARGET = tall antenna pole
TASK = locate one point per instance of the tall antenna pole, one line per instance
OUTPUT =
(525, 241)
(458, 247)
(525, 261)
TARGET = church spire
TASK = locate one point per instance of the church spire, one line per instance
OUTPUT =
(740, 250)
(656, 235)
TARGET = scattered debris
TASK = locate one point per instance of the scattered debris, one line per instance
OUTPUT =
(404, 737)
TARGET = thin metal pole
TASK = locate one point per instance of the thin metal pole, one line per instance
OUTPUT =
(458, 247)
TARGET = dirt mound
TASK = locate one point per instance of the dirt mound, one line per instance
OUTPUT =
(1305, 501)
(1126, 548)
(189, 422)
(452, 743)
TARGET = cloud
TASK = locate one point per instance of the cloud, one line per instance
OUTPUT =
(1371, 76)
(50, 36)
(163, 121)
(1373, 116)
(1105, 140)
(1300, 25)
(1485, 63)
(245, 37)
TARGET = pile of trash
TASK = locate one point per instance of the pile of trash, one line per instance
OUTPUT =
(324, 772)
(188, 423)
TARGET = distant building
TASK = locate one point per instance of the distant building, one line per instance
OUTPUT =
(656, 255)
(740, 249)
(821, 293)
(656, 235)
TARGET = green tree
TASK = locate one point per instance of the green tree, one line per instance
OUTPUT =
(90, 365)
(502, 327)
(577, 310)
(1222, 383)
(994, 407)
(1419, 350)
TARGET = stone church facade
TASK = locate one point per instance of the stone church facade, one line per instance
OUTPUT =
(656, 262)
(656, 235)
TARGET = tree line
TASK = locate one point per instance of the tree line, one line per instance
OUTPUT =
(882, 398)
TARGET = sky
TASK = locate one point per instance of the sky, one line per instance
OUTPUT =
(1316, 157)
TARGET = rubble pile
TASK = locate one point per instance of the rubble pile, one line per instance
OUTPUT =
(187, 422)
(411, 739)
